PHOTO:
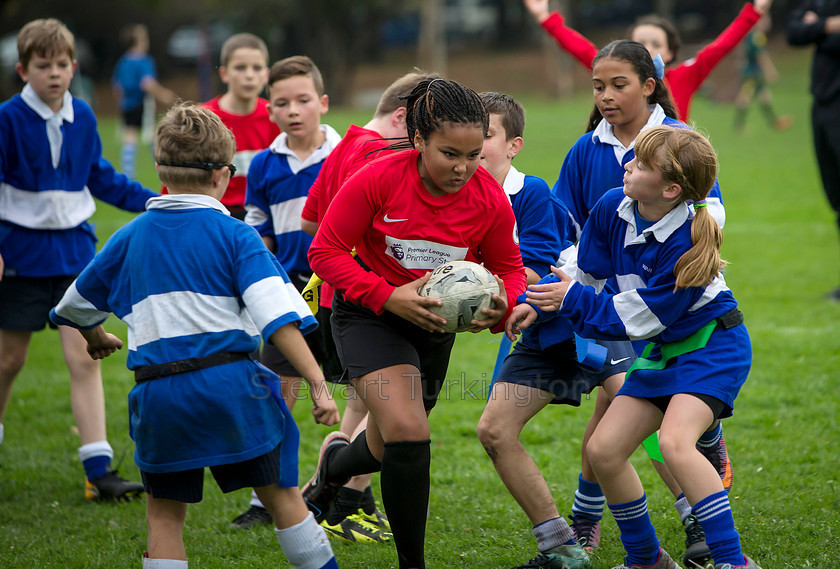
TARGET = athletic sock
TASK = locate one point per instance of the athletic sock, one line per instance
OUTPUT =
(368, 501)
(347, 502)
(255, 500)
(352, 460)
(96, 458)
(128, 160)
(715, 517)
(1, 433)
(589, 500)
(405, 494)
(712, 436)
(163, 564)
(552, 533)
(683, 508)
(637, 533)
(306, 545)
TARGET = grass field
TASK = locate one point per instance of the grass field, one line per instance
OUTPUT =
(782, 245)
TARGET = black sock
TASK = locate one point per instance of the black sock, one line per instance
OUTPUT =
(405, 495)
(353, 460)
(368, 501)
(347, 502)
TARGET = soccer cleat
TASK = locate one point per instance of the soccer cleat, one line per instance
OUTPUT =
(376, 518)
(697, 552)
(719, 457)
(111, 486)
(355, 528)
(587, 532)
(252, 517)
(750, 564)
(664, 561)
(318, 493)
(560, 557)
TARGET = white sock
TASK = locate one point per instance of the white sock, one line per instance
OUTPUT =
(1, 433)
(163, 564)
(306, 544)
(683, 508)
(256, 501)
(99, 448)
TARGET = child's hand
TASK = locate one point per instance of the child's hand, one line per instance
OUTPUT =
(1, 267)
(538, 9)
(101, 344)
(324, 409)
(762, 6)
(549, 297)
(406, 303)
(492, 315)
(522, 316)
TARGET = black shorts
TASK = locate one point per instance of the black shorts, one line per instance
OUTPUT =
(25, 302)
(718, 407)
(367, 342)
(320, 343)
(557, 371)
(133, 117)
(188, 485)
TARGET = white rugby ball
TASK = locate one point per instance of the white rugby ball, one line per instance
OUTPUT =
(465, 288)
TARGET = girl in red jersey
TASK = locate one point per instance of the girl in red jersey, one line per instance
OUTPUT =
(405, 214)
(661, 38)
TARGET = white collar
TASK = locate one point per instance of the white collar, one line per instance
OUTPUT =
(514, 181)
(604, 132)
(660, 230)
(176, 202)
(280, 145)
(34, 102)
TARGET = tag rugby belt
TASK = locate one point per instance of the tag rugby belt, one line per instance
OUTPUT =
(156, 371)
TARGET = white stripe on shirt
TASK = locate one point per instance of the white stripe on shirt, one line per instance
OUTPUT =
(639, 321)
(76, 308)
(271, 298)
(286, 215)
(183, 313)
(47, 209)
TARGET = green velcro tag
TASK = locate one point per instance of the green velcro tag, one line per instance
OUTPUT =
(668, 352)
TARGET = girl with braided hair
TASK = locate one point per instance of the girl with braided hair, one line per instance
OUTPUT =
(657, 233)
(405, 214)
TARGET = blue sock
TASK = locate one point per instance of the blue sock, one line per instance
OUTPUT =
(128, 160)
(711, 438)
(96, 466)
(715, 516)
(637, 533)
(589, 500)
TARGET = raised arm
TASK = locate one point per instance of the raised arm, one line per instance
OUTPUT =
(568, 39)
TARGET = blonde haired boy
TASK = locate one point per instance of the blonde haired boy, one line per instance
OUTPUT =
(200, 400)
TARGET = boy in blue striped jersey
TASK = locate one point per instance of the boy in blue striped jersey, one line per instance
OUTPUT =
(197, 289)
(51, 168)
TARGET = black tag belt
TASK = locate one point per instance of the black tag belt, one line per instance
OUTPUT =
(731, 319)
(155, 371)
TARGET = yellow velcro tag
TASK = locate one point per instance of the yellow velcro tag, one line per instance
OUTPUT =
(310, 293)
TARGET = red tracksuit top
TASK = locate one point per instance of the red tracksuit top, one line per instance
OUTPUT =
(682, 80)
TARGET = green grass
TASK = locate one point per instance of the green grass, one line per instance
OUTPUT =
(782, 245)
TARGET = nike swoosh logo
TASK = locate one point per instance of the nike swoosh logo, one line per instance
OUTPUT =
(387, 219)
(614, 362)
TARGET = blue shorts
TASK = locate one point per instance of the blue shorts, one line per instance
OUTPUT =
(556, 369)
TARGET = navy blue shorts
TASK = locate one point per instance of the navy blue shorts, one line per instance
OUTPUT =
(556, 369)
(367, 342)
(188, 485)
(25, 302)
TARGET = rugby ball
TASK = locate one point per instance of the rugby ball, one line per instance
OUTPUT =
(465, 288)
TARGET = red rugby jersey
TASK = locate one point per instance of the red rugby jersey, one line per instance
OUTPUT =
(401, 231)
(253, 132)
